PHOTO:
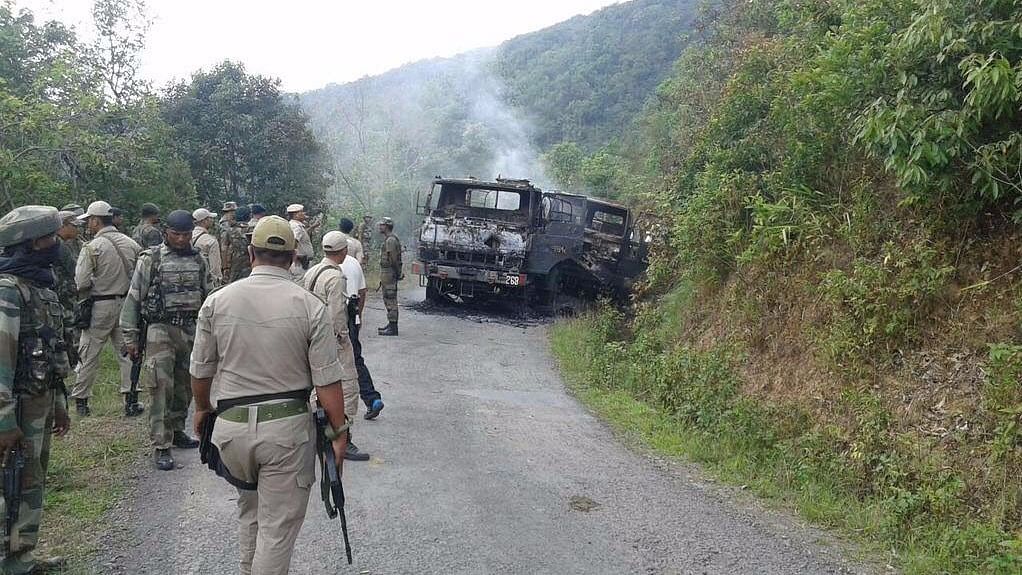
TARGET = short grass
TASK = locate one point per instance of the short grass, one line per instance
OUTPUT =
(87, 471)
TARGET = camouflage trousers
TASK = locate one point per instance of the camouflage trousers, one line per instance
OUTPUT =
(36, 424)
(390, 299)
(165, 375)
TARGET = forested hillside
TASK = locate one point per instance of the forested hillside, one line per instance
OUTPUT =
(498, 111)
(833, 312)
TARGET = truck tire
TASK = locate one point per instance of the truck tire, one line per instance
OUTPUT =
(433, 294)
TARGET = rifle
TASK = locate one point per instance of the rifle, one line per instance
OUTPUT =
(136, 364)
(330, 480)
(13, 475)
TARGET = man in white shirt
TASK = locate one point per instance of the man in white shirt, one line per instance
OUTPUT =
(355, 248)
(356, 292)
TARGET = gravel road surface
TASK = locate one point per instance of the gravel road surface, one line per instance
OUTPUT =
(482, 463)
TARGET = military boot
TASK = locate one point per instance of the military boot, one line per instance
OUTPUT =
(183, 441)
(82, 406)
(164, 462)
(391, 329)
(132, 407)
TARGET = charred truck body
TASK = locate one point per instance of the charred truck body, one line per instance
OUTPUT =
(508, 239)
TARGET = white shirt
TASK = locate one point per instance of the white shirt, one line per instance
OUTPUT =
(355, 250)
(356, 280)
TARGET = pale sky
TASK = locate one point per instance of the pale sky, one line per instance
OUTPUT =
(311, 43)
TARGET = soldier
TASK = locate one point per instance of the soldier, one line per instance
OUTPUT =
(327, 281)
(170, 283)
(118, 221)
(33, 356)
(390, 273)
(147, 233)
(354, 246)
(103, 274)
(234, 246)
(265, 336)
(296, 215)
(365, 232)
(355, 283)
(64, 273)
(207, 245)
(258, 211)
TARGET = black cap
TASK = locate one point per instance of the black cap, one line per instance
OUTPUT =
(116, 211)
(243, 214)
(346, 225)
(180, 221)
(149, 210)
(258, 210)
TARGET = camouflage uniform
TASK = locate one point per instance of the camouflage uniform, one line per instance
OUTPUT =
(234, 252)
(33, 365)
(147, 235)
(170, 301)
(67, 292)
(390, 273)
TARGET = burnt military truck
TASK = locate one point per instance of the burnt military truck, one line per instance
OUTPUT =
(510, 240)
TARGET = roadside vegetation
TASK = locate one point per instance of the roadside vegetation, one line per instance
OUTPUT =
(833, 312)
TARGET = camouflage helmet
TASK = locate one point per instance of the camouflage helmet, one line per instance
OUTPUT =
(387, 222)
(28, 223)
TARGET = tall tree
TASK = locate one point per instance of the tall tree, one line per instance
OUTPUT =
(244, 141)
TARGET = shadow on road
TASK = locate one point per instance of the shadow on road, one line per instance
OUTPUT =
(505, 313)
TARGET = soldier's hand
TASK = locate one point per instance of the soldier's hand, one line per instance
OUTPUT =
(340, 446)
(198, 419)
(61, 423)
(11, 439)
(131, 350)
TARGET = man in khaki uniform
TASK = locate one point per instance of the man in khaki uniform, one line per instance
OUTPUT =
(327, 281)
(297, 217)
(207, 245)
(261, 345)
(103, 275)
(355, 248)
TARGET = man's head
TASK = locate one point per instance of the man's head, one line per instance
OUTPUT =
(118, 217)
(178, 234)
(273, 243)
(73, 208)
(203, 218)
(386, 226)
(296, 212)
(242, 215)
(346, 225)
(335, 246)
(29, 229)
(258, 211)
(229, 211)
(150, 212)
(98, 216)
(68, 225)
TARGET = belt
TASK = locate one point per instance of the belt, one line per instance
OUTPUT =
(108, 297)
(265, 412)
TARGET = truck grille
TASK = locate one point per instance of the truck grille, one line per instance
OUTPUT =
(494, 260)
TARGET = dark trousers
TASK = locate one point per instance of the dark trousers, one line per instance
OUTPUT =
(365, 381)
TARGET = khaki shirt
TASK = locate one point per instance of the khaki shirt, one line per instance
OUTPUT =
(106, 264)
(355, 250)
(302, 238)
(331, 287)
(208, 246)
(264, 334)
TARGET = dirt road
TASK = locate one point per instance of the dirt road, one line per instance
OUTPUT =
(482, 463)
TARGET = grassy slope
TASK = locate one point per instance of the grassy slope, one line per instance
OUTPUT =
(87, 471)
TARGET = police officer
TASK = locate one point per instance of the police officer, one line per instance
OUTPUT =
(170, 283)
(103, 273)
(327, 281)
(34, 363)
(147, 233)
(390, 273)
(261, 345)
(296, 215)
(206, 243)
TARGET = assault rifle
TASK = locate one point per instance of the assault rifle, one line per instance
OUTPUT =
(136, 366)
(13, 474)
(330, 480)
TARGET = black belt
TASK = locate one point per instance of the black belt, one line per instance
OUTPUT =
(108, 297)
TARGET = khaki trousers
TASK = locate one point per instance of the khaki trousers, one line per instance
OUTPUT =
(280, 455)
(105, 326)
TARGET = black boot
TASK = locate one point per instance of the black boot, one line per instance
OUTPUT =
(164, 462)
(82, 406)
(353, 454)
(183, 441)
(391, 329)
(132, 407)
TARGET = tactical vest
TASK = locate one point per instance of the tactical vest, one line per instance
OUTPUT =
(175, 288)
(41, 343)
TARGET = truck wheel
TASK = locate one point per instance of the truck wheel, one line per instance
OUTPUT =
(433, 294)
